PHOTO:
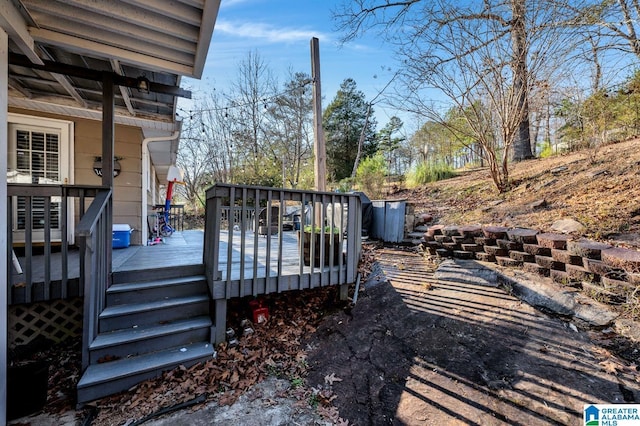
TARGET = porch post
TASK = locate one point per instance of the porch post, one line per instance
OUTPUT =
(108, 132)
(4, 84)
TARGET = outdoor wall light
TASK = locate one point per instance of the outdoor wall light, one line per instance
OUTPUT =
(143, 84)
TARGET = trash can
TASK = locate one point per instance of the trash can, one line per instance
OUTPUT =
(26, 388)
(121, 235)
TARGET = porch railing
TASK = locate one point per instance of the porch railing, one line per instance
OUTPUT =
(38, 240)
(233, 218)
(95, 239)
(264, 249)
(176, 215)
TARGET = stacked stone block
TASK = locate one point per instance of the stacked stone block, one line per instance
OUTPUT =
(579, 263)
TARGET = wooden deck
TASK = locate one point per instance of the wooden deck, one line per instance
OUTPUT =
(182, 248)
(186, 248)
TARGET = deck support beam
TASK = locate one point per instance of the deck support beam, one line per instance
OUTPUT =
(344, 292)
(108, 142)
(220, 317)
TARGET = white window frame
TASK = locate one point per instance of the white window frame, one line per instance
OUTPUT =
(66, 152)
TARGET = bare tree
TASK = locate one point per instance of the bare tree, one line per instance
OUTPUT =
(482, 55)
(195, 171)
(615, 23)
(248, 100)
(206, 151)
(217, 130)
(290, 128)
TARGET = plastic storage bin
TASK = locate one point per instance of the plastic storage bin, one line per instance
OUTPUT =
(121, 235)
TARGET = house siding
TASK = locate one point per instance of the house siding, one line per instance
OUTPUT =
(127, 205)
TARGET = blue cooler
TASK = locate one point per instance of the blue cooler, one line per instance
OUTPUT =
(121, 235)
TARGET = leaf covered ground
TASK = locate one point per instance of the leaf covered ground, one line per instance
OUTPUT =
(273, 352)
(598, 188)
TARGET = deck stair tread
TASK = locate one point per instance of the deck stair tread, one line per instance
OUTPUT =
(97, 374)
(144, 285)
(128, 335)
(134, 308)
(145, 274)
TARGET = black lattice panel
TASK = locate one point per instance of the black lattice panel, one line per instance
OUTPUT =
(56, 320)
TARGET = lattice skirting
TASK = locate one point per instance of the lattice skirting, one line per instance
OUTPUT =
(55, 319)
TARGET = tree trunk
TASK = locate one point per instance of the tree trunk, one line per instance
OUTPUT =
(522, 143)
(361, 142)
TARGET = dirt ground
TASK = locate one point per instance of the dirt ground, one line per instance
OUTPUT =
(451, 347)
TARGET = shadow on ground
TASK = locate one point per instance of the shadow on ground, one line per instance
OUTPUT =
(452, 347)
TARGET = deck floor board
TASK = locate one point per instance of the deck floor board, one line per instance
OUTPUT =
(185, 248)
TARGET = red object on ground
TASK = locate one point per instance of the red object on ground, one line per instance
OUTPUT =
(260, 313)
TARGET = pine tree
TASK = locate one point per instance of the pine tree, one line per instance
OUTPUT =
(343, 121)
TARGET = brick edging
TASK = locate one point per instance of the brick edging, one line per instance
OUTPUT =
(567, 260)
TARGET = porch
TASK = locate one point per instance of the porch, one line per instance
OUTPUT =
(148, 309)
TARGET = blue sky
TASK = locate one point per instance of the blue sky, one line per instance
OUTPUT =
(280, 31)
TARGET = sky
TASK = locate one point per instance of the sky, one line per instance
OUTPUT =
(281, 31)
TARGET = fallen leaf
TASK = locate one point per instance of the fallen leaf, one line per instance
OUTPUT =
(609, 366)
(227, 399)
(329, 413)
(597, 350)
(330, 379)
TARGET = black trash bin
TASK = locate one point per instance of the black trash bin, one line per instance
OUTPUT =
(26, 388)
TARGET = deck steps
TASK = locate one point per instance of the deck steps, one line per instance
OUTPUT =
(128, 315)
(104, 379)
(170, 287)
(153, 321)
(155, 337)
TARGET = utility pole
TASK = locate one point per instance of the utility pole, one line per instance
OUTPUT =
(319, 147)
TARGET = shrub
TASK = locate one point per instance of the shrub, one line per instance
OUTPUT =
(547, 150)
(370, 175)
(345, 185)
(424, 173)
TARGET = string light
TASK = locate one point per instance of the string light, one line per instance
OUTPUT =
(265, 101)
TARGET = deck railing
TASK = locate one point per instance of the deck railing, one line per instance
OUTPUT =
(233, 218)
(176, 215)
(95, 240)
(38, 223)
(262, 252)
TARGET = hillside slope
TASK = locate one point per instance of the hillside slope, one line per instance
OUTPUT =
(600, 191)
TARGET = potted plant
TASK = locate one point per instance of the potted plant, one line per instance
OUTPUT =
(315, 234)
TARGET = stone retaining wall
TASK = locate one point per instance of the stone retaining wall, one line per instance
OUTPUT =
(595, 266)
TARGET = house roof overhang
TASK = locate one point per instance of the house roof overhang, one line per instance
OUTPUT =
(158, 40)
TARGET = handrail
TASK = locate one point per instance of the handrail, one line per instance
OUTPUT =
(39, 216)
(221, 188)
(48, 190)
(94, 233)
(91, 217)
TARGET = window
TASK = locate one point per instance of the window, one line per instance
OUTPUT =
(39, 153)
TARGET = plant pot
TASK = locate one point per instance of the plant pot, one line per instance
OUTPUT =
(26, 388)
(336, 247)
